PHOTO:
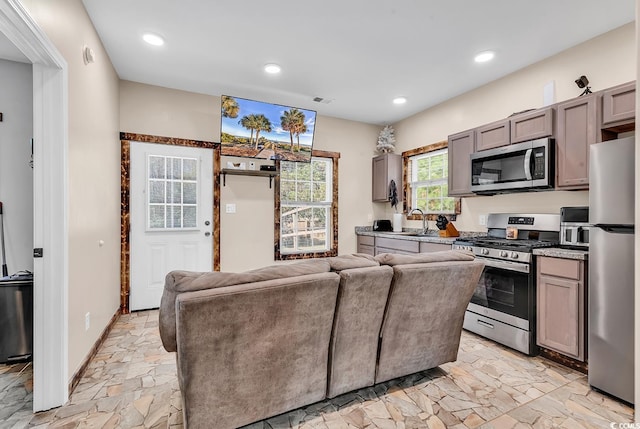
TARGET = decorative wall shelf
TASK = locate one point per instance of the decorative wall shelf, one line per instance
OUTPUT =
(234, 172)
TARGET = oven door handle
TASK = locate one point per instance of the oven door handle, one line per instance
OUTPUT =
(505, 265)
(527, 164)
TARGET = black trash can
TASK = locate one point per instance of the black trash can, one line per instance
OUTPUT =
(16, 318)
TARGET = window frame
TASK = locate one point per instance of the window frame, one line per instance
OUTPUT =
(333, 228)
(408, 192)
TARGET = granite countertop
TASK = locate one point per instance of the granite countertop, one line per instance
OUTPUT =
(556, 252)
(433, 236)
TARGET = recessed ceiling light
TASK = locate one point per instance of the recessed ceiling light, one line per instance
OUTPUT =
(153, 39)
(272, 68)
(399, 100)
(485, 56)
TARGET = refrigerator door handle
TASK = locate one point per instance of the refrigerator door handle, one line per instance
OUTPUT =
(616, 229)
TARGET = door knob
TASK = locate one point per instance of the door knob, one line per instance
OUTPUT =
(207, 223)
(206, 234)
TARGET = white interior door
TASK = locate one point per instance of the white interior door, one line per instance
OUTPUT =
(171, 217)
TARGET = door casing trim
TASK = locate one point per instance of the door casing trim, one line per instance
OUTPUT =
(125, 184)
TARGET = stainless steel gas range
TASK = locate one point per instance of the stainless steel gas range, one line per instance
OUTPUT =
(503, 306)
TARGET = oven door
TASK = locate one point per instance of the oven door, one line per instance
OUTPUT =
(504, 287)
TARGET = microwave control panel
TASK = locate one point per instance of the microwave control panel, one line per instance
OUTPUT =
(538, 163)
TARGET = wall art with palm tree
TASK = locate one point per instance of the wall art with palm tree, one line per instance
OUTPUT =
(255, 129)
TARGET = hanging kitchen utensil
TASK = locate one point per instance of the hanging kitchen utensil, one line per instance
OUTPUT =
(5, 271)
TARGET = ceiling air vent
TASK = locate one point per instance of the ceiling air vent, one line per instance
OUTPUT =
(322, 100)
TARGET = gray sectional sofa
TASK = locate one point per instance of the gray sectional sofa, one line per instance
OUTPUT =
(256, 344)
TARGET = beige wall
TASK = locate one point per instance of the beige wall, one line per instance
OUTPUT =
(94, 173)
(247, 235)
(607, 60)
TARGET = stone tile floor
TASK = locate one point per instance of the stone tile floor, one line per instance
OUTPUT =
(132, 383)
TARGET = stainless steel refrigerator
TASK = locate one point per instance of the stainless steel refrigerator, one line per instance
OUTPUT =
(611, 267)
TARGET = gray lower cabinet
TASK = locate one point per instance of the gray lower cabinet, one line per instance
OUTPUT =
(396, 245)
(366, 244)
(426, 247)
(375, 245)
(561, 306)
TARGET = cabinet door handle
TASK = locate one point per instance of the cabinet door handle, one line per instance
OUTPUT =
(483, 323)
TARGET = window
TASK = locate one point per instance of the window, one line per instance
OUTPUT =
(429, 189)
(173, 192)
(426, 182)
(306, 208)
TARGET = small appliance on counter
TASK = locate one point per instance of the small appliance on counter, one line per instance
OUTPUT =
(382, 225)
(574, 227)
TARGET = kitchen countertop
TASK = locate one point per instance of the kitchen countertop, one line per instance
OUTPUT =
(556, 252)
(433, 236)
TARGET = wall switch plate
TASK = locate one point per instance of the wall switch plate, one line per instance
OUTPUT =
(230, 208)
(87, 321)
(482, 219)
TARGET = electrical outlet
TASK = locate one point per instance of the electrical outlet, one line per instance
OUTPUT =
(482, 219)
(370, 217)
(230, 208)
(87, 321)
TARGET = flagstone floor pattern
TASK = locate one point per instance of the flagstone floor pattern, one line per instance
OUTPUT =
(132, 383)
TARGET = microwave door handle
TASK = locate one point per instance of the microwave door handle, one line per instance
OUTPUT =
(527, 164)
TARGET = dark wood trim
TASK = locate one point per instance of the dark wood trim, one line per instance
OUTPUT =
(77, 376)
(125, 183)
(406, 205)
(325, 154)
(334, 156)
(425, 149)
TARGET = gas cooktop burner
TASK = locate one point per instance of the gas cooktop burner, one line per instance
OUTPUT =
(500, 243)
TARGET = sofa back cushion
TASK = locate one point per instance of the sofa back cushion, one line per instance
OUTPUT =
(356, 260)
(178, 282)
(252, 351)
(354, 343)
(424, 316)
(422, 258)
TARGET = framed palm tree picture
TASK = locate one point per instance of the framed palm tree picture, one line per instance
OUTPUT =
(255, 129)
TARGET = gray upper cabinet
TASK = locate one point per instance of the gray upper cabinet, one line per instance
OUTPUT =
(619, 104)
(493, 135)
(460, 148)
(577, 130)
(532, 125)
(385, 168)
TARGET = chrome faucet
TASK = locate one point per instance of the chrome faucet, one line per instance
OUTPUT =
(425, 228)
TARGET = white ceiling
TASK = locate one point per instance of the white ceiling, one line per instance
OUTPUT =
(358, 53)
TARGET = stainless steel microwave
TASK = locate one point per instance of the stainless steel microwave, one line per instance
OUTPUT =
(517, 167)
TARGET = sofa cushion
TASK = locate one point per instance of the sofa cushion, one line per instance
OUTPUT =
(347, 262)
(251, 351)
(421, 258)
(178, 282)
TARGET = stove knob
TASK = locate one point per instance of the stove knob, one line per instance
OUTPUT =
(504, 254)
(514, 255)
(485, 251)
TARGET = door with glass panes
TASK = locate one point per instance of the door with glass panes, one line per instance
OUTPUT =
(171, 217)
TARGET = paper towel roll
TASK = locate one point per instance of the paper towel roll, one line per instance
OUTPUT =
(397, 222)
